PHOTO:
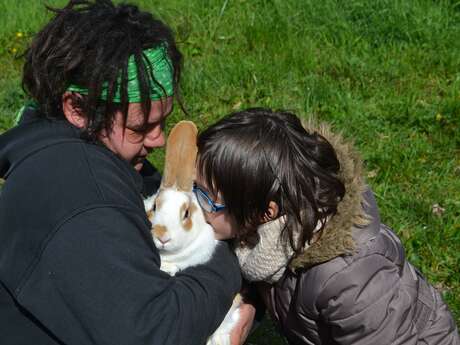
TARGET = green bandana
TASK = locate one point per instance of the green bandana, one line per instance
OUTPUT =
(156, 58)
(20, 112)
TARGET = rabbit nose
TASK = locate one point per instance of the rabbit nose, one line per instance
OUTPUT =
(161, 233)
(164, 240)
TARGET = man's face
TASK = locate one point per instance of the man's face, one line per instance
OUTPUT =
(128, 142)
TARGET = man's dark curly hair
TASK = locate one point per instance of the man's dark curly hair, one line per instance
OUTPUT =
(88, 43)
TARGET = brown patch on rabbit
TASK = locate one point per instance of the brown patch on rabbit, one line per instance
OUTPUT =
(186, 212)
(156, 205)
(159, 231)
(158, 202)
(181, 153)
(150, 214)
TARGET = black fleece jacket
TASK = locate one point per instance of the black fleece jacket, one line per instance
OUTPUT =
(77, 262)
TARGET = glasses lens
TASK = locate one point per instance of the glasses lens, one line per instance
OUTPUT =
(203, 201)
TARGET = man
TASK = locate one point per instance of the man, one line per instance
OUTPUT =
(77, 262)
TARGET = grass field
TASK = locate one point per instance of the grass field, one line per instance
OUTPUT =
(385, 73)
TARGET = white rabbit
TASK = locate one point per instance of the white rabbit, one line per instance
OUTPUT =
(179, 229)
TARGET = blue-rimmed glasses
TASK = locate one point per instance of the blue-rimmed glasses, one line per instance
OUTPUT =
(205, 201)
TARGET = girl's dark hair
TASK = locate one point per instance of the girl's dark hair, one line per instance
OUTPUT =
(256, 156)
(88, 43)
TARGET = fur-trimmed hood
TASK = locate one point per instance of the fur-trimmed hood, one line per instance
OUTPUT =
(373, 295)
(336, 238)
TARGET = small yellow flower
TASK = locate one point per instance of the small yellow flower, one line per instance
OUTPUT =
(19, 34)
(14, 50)
(438, 117)
(237, 105)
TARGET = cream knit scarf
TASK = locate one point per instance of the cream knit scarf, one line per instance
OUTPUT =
(268, 260)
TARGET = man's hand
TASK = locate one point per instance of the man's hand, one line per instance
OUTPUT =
(241, 330)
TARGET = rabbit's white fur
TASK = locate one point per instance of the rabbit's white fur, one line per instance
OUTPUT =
(181, 247)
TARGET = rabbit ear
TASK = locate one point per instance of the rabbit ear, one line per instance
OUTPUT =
(181, 151)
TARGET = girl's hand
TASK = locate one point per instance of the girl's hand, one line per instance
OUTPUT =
(241, 331)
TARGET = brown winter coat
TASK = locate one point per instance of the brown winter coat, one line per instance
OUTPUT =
(354, 284)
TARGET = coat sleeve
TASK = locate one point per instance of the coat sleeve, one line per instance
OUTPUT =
(97, 281)
(368, 303)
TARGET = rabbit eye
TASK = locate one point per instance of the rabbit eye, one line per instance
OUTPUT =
(186, 213)
(154, 206)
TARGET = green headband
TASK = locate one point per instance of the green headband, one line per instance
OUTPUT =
(156, 58)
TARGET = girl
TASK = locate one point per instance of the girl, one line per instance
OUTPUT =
(307, 230)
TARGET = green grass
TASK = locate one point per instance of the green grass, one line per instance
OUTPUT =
(385, 73)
